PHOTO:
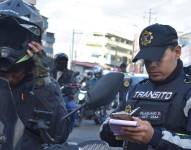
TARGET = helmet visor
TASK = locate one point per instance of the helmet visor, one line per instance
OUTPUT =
(30, 27)
(14, 40)
(13, 35)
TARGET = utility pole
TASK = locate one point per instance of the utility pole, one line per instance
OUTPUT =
(72, 48)
(72, 53)
(150, 13)
(150, 16)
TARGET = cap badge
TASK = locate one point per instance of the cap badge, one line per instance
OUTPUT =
(146, 38)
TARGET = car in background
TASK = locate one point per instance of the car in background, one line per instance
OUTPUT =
(131, 80)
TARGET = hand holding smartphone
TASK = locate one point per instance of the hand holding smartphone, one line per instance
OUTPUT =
(124, 115)
(121, 119)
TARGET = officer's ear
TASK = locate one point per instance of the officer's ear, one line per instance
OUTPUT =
(177, 50)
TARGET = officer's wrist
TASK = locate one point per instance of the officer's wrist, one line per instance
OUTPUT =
(156, 137)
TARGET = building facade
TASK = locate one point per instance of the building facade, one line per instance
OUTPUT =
(105, 49)
(185, 41)
(48, 38)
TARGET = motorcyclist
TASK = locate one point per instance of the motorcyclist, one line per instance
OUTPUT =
(67, 81)
(62, 74)
(98, 73)
(37, 97)
(123, 67)
(88, 76)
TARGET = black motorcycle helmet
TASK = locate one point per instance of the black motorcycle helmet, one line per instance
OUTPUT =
(20, 23)
(98, 71)
(123, 67)
(61, 61)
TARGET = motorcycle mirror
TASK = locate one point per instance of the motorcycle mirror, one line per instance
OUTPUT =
(105, 90)
(103, 93)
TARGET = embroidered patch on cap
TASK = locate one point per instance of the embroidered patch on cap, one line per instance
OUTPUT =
(146, 38)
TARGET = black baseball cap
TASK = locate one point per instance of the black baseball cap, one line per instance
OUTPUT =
(154, 40)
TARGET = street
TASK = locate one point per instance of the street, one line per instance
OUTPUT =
(87, 131)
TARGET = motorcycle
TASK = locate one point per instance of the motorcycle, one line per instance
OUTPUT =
(98, 114)
(68, 91)
(9, 118)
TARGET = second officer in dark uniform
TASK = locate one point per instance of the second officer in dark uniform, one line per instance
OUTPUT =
(164, 117)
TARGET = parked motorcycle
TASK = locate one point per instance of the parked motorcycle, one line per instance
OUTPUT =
(113, 83)
(98, 114)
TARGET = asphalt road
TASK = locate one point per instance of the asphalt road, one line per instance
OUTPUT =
(87, 131)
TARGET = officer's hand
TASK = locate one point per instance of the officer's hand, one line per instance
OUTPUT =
(141, 134)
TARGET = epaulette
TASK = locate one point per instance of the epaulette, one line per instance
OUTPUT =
(145, 81)
(187, 78)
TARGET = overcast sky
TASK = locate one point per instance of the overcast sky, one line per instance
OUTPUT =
(124, 16)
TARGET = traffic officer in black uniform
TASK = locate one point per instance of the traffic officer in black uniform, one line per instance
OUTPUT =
(37, 96)
(164, 117)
